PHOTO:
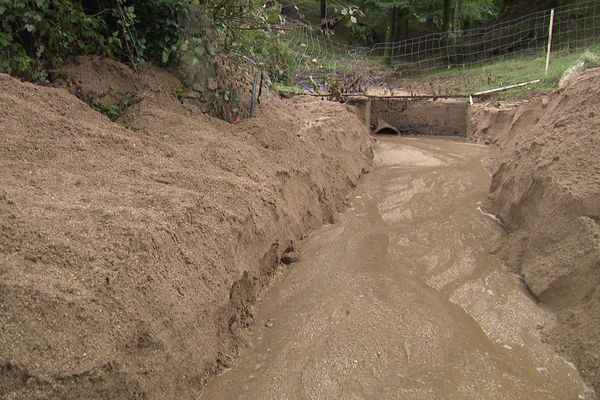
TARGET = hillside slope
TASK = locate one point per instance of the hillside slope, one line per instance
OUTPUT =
(131, 257)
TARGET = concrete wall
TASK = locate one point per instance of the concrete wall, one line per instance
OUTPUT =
(363, 109)
(421, 117)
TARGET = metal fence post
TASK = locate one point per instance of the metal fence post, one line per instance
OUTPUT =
(550, 31)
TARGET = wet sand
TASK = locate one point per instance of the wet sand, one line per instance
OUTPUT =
(402, 298)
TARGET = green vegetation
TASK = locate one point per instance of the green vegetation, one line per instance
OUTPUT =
(39, 33)
(113, 112)
(503, 73)
(226, 43)
(283, 88)
(181, 92)
(393, 20)
(36, 35)
(112, 103)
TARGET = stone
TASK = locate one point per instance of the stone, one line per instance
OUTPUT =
(192, 95)
(198, 87)
(212, 84)
(290, 257)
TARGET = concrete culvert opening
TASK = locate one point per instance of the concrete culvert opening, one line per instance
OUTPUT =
(383, 128)
(388, 130)
(419, 117)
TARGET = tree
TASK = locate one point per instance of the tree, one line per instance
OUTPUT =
(458, 18)
(390, 18)
(446, 16)
(324, 15)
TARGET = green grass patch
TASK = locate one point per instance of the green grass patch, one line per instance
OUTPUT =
(283, 88)
(504, 73)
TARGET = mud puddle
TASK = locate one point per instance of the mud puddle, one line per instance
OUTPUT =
(402, 299)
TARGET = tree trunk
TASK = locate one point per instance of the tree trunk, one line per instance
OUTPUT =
(394, 24)
(446, 18)
(402, 18)
(387, 50)
(458, 18)
(324, 15)
(389, 34)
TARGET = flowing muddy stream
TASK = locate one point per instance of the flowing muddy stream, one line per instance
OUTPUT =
(401, 299)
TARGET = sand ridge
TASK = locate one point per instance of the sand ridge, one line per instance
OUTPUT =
(131, 254)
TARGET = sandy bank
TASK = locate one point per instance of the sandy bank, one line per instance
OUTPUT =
(131, 254)
(546, 189)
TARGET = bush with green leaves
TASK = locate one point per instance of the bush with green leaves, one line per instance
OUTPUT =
(39, 34)
(35, 34)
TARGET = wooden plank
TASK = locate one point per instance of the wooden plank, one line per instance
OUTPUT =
(506, 87)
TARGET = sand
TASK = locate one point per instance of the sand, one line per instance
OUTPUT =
(132, 253)
(546, 190)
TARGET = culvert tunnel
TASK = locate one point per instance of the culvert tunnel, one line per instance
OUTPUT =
(383, 128)
(432, 117)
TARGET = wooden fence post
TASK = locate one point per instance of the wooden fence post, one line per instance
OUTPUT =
(550, 31)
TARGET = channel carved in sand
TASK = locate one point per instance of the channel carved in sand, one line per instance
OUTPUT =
(402, 299)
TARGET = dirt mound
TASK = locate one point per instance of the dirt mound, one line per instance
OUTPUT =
(106, 85)
(489, 124)
(130, 258)
(546, 189)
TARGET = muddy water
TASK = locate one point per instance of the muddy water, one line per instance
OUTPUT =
(401, 299)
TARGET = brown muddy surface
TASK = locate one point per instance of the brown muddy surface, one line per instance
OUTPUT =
(402, 298)
(131, 253)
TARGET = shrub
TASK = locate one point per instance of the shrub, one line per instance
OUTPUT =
(39, 34)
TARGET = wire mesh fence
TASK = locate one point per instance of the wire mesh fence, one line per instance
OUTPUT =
(575, 27)
(316, 55)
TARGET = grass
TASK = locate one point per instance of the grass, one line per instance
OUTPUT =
(282, 87)
(504, 73)
(467, 80)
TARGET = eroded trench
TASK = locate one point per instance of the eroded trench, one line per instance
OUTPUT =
(402, 297)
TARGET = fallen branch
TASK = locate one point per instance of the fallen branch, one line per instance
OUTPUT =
(414, 96)
(506, 88)
(372, 96)
(427, 96)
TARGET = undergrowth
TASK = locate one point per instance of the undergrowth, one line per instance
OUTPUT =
(38, 35)
(200, 41)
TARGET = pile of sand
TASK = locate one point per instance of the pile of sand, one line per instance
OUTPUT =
(131, 255)
(546, 189)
